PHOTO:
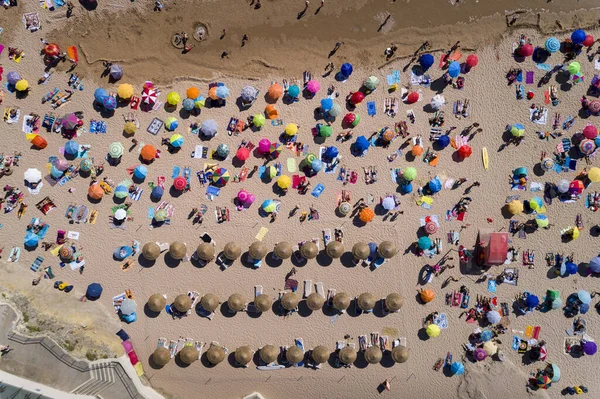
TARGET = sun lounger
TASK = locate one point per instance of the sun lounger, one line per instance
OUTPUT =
(172, 348)
(327, 236)
(319, 289)
(307, 288)
(330, 294)
(300, 344)
(200, 347)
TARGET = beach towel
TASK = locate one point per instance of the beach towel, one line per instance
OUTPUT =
(597, 64)
(176, 171)
(529, 77)
(371, 108)
(291, 165)
(520, 77)
(155, 126)
(543, 120)
(544, 67)
(136, 194)
(318, 190)
(261, 233)
(31, 21)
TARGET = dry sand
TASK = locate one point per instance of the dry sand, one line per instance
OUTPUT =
(493, 106)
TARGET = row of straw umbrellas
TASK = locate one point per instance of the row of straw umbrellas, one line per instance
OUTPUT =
(258, 250)
(289, 301)
(270, 353)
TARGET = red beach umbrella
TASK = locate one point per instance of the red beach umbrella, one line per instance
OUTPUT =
(149, 97)
(357, 97)
(242, 153)
(51, 49)
(180, 183)
(590, 132)
(412, 98)
(525, 50)
(465, 151)
(589, 41)
(431, 228)
(472, 60)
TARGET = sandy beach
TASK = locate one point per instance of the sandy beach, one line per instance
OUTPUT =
(282, 48)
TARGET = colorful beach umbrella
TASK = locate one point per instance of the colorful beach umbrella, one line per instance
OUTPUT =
(188, 104)
(51, 49)
(140, 172)
(85, 165)
(587, 146)
(345, 208)
(275, 150)
(71, 148)
(517, 130)
(149, 97)
(541, 221)
(221, 177)
(588, 41)
(562, 186)
(121, 192)
(180, 183)
(388, 203)
(199, 102)
(176, 140)
(95, 192)
(547, 164)
(171, 123)
(109, 103)
(248, 94)
(351, 119)
(576, 187)
(115, 150)
(552, 45)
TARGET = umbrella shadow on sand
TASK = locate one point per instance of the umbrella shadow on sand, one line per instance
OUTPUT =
(150, 313)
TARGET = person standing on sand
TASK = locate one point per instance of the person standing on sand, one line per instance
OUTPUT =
(244, 39)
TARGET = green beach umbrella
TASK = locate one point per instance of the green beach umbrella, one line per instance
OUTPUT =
(258, 120)
(410, 173)
(371, 83)
(199, 102)
(517, 130)
(574, 67)
(161, 215)
(115, 150)
(542, 220)
(335, 110)
(325, 131)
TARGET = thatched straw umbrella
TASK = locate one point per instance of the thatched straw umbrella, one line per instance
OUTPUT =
(151, 251)
(188, 355)
(335, 249)
(320, 354)
(257, 250)
(373, 354)
(309, 250)
(366, 301)
(263, 302)
(269, 353)
(283, 250)
(387, 249)
(232, 251)
(182, 303)
(205, 251)
(347, 355)
(315, 301)
(209, 302)
(361, 250)
(157, 302)
(161, 356)
(177, 250)
(294, 354)
(394, 302)
(400, 354)
(290, 300)
(236, 302)
(244, 355)
(215, 354)
(341, 301)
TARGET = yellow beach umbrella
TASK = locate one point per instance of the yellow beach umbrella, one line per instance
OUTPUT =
(433, 331)
(125, 91)
(594, 174)
(129, 128)
(284, 182)
(515, 207)
(22, 85)
(291, 129)
(173, 98)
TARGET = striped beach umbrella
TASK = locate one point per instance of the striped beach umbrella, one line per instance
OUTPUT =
(115, 150)
(221, 177)
(176, 140)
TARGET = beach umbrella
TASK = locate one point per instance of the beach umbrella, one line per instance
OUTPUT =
(61, 165)
(85, 165)
(264, 146)
(221, 177)
(479, 354)
(94, 291)
(366, 215)
(284, 182)
(574, 67)
(472, 60)
(595, 265)
(357, 97)
(182, 303)
(325, 131)
(457, 368)
(309, 250)
(335, 111)
(556, 303)
(188, 355)
(525, 50)
(578, 36)
(547, 164)
(426, 61)
(373, 354)
(431, 228)
(313, 86)
(294, 91)
(347, 355)
(437, 102)
(346, 70)
(490, 348)
(594, 106)
(236, 302)
(486, 335)
(515, 207)
(116, 71)
(424, 243)
(248, 94)
(176, 140)
(258, 120)
(232, 251)
(351, 119)
(161, 215)
(290, 300)
(13, 77)
(157, 192)
(341, 301)
(326, 104)
(361, 250)
(344, 208)
(171, 123)
(330, 153)
(31, 240)
(257, 250)
(70, 122)
(192, 93)
(543, 381)
(209, 302)
(95, 192)
(128, 306)
(263, 302)
(454, 69)
(215, 354)
(553, 371)
(568, 268)
(590, 132)
(542, 221)
(517, 130)
(151, 251)
(394, 302)
(283, 250)
(493, 317)
(125, 91)
(242, 153)
(416, 151)
(140, 172)
(291, 129)
(562, 186)
(584, 296)
(115, 150)
(588, 41)
(173, 98)
(536, 204)
(409, 173)
(433, 331)
(188, 104)
(269, 353)
(589, 348)
(275, 150)
(576, 187)
(180, 183)
(177, 250)
(205, 251)
(148, 153)
(387, 249)
(37, 141)
(269, 206)
(412, 97)
(244, 355)
(366, 301)
(121, 192)
(320, 354)
(222, 92)
(129, 128)
(587, 146)
(22, 85)
(427, 295)
(99, 94)
(532, 301)
(71, 148)
(435, 185)
(552, 45)
(222, 151)
(400, 354)
(161, 356)
(465, 151)
(371, 83)
(156, 302)
(149, 97)
(315, 301)
(316, 165)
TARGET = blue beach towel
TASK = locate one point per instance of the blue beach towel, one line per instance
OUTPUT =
(371, 109)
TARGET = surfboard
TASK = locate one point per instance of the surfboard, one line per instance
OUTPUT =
(484, 156)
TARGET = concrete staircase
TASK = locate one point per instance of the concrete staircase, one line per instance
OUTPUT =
(102, 375)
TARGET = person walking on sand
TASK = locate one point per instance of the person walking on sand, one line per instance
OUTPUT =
(244, 39)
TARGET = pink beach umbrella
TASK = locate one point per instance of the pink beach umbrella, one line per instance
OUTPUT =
(61, 164)
(250, 200)
(479, 354)
(242, 196)
(587, 146)
(431, 228)
(590, 132)
(313, 86)
(264, 146)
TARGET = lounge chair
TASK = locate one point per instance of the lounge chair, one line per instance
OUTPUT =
(330, 294)
(173, 348)
(300, 344)
(307, 288)
(327, 236)
(223, 262)
(319, 289)
(204, 313)
(362, 342)
(162, 343)
(199, 347)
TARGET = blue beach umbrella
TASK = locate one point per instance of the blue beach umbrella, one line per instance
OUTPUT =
(584, 296)
(326, 104)
(595, 265)
(486, 335)
(188, 104)
(426, 61)
(552, 45)
(121, 192)
(532, 301)
(140, 172)
(568, 268)
(55, 172)
(294, 91)
(435, 185)
(71, 147)
(99, 94)
(94, 291)
(443, 141)
(331, 152)
(406, 188)
(109, 103)
(457, 368)
(578, 36)
(209, 128)
(424, 243)
(31, 240)
(157, 192)
(361, 144)
(346, 69)
(454, 69)
(316, 165)
(222, 92)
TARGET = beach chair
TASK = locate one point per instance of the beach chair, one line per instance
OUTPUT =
(327, 236)
(307, 288)
(319, 289)
(300, 344)
(330, 294)
(172, 348)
